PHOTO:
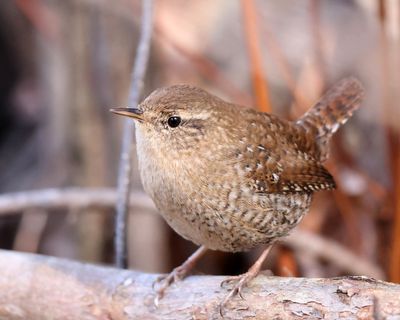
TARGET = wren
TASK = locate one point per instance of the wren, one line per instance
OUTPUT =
(230, 178)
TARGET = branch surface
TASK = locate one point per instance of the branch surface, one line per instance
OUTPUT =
(39, 287)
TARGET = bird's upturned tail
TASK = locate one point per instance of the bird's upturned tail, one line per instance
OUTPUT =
(332, 111)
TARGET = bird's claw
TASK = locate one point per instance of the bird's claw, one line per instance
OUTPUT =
(165, 281)
(237, 289)
(242, 281)
(229, 281)
(158, 280)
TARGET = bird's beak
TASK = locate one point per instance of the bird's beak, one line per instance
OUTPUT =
(134, 113)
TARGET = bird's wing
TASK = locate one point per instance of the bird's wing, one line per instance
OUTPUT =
(290, 174)
(280, 161)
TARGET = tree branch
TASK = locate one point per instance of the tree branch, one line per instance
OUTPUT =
(40, 287)
(124, 173)
(70, 198)
(332, 251)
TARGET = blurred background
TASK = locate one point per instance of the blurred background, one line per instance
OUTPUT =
(63, 64)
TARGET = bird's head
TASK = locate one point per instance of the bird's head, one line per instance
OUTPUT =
(180, 118)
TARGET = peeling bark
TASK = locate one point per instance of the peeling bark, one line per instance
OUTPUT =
(40, 287)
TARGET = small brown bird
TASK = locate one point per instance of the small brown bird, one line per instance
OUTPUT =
(230, 178)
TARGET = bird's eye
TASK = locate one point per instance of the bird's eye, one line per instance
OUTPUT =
(174, 121)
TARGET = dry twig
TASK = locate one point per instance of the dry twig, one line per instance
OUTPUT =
(124, 174)
(70, 198)
(259, 80)
(41, 17)
(204, 66)
(333, 252)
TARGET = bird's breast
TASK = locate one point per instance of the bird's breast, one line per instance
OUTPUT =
(208, 202)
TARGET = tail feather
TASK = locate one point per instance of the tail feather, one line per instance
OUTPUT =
(332, 111)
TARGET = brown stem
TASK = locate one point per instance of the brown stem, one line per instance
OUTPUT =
(255, 56)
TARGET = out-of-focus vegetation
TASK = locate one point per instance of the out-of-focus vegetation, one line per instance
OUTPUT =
(65, 63)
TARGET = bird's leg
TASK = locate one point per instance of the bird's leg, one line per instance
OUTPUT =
(178, 273)
(243, 279)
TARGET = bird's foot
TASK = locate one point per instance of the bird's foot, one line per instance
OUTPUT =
(162, 283)
(241, 282)
(231, 284)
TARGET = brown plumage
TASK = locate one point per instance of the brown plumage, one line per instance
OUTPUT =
(227, 177)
